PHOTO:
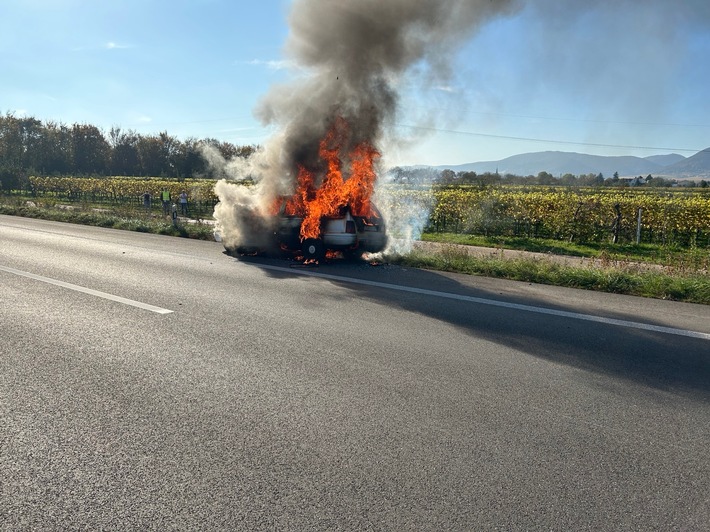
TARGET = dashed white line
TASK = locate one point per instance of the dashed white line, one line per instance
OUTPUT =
(89, 291)
(503, 304)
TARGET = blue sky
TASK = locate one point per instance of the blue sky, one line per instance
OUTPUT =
(613, 79)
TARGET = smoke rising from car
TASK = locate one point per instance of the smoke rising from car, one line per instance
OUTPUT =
(354, 56)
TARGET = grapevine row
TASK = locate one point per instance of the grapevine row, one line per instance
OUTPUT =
(122, 189)
(578, 215)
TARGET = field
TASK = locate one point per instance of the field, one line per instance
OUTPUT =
(125, 191)
(671, 218)
(667, 217)
(579, 215)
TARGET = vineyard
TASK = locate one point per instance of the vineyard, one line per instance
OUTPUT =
(575, 215)
(671, 216)
(127, 190)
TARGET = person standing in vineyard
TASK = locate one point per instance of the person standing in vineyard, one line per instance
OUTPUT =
(183, 203)
(146, 200)
(165, 198)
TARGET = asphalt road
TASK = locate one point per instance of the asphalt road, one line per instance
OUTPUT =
(150, 382)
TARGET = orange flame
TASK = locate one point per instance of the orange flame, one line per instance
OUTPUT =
(336, 190)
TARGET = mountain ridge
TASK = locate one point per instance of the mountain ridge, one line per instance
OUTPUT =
(559, 163)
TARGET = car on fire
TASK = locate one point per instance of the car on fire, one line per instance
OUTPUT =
(345, 232)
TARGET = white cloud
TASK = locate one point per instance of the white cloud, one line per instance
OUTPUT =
(273, 65)
(110, 45)
(115, 46)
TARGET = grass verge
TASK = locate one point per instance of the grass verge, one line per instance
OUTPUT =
(682, 258)
(128, 220)
(686, 287)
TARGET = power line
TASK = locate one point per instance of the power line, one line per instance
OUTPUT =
(589, 120)
(548, 141)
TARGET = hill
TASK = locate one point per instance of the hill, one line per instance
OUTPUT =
(665, 160)
(559, 163)
(696, 166)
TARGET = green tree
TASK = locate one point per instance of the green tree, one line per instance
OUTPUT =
(447, 177)
(21, 148)
(124, 152)
(151, 156)
(489, 178)
(29, 146)
(568, 179)
(31, 132)
(170, 150)
(90, 150)
(10, 152)
(545, 178)
(10, 143)
(56, 152)
(189, 160)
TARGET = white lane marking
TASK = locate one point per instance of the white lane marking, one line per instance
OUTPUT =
(504, 304)
(89, 291)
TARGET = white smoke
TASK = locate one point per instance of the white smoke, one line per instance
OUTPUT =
(237, 168)
(406, 213)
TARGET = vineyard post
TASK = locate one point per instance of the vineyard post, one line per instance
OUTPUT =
(616, 226)
(638, 227)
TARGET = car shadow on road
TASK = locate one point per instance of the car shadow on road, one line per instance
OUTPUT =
(657, 359)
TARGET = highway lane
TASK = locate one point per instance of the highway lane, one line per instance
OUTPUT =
(347, 396)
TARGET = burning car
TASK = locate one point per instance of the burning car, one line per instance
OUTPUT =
(348, 231)
(328, 206)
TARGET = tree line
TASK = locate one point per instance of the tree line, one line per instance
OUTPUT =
(32, 147)
(29, 146)
(449, 177)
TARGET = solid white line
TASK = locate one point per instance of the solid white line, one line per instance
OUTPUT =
(89, 291)
(504, 304)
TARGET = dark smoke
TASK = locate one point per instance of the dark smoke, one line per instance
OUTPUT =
(354, 55)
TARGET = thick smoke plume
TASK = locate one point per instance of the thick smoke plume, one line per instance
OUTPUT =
(354, 56)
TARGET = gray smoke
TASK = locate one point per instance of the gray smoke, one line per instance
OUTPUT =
(355, 55)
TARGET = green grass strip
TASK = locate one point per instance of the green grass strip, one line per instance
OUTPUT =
(690, 288)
